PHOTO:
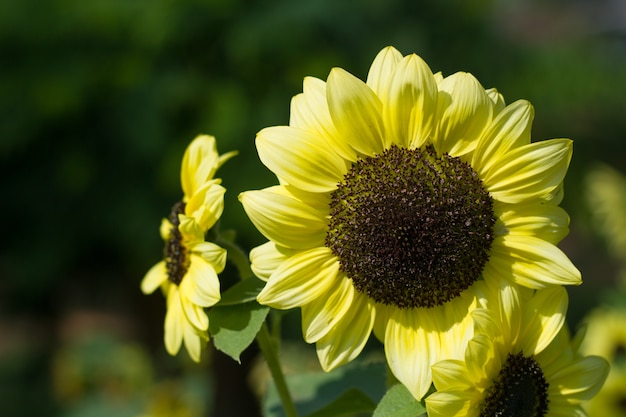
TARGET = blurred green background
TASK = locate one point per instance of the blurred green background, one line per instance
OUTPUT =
(99, 98)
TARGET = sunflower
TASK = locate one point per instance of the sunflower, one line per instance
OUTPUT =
(188, 272)
(520, 362)
(397, 197)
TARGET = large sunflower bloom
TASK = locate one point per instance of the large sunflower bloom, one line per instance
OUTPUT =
(188, 272)
(397, 197)
(520, 362)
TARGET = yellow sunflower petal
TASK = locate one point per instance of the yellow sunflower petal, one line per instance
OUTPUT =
(264, 259)
(300, 279)
(313, 164)
(544, 316)
(532, 262)
(165, 229)
(411, 350)
(194, 341)
(195, 315)
(323, 313)
(481, 358)
(451, 373)
(510, 129)
(382, 69)
(309, 111)
(211, 253)
(199, 163)
(497, 99)
(284, 219)
(464, 111)
(545, 221)
(411, 104)
(201, 285)
(207, 204)
(154, 277)
(582, 379)
(174, 321)
(529, 171)
(348, 338)
(356, 112)
(452, 404)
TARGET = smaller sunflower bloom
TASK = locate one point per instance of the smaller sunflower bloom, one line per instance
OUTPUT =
(520, 362)
(188, 272)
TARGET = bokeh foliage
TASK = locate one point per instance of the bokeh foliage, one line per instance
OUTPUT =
(99, 98)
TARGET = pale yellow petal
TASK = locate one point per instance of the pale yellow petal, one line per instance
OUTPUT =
(451, 373)
(452, 404)
(301, 158)
(411, 350)
(207, 204)
(497, 99)
(211, 253)
(190, 229)
(580, 380)
(356, 112)
(165, 229)
(174, 322)
(194, 342)
(195, 315)
(154, 277)
(300, 279)
(283, 219)
(309, 111)
(532, 262)
(322, 314)
(464, 111)
(348, 337)
(381, 70)
(410, 104)
(529, 171)
(543, 317)
(264, 259)
(201, 285)
(545, 221)
(199, 163)
(510, 129)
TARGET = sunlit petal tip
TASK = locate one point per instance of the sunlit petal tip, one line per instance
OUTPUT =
(283, 219)
(199, 164)
(300, 279)
(382, 68)
(301, 158)
(356, 112)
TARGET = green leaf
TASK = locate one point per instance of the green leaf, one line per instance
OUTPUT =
(353, 389)
(234, 327)
(242, 292)
(398, 402)
(348, 403)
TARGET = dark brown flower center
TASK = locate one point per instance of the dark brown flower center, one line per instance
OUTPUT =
(411, 228)
(519, 390)
(175, 253)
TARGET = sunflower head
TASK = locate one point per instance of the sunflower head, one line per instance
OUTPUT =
(397, 198)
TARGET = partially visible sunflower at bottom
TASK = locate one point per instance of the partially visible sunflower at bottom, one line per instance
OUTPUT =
(605, 335)
(521, 362)
(188, 272)
(398, 198)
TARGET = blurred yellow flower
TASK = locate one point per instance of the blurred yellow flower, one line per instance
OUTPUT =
(188, 272)
(605, 189)
(519, 363)
(397, 197)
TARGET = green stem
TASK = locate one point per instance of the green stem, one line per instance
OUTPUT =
(268, 346)
(271, 356)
